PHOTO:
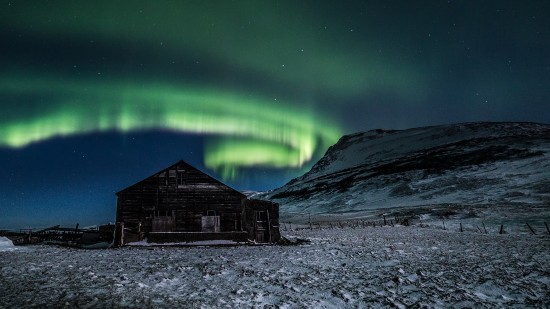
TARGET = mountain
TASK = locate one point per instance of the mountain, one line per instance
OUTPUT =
(481, 163)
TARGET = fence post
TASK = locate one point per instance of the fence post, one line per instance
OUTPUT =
(501, 229)
(461, 227)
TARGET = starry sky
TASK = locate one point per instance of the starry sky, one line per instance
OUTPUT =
(97, 95)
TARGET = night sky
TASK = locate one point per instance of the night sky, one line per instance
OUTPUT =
(97, 95)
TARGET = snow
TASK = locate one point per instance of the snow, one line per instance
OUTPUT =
(6, 244)
(345, 181)
(340, 268)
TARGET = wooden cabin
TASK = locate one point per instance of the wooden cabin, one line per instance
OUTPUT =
(182, 204)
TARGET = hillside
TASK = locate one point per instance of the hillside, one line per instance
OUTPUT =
(466, 164)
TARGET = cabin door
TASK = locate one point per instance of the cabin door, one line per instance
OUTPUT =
(260, 236)
(261, 226)
(210, 222)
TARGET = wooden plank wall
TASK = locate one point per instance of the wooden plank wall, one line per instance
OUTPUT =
(183, 193)
(270, 228)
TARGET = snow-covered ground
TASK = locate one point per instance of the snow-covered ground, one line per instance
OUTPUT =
(361, 267)
(6, 244)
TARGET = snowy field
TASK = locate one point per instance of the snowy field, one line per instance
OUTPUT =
(339, 268)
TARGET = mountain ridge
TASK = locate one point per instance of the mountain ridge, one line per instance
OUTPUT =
(465, 164)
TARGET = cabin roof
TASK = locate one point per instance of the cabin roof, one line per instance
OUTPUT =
(189, 166)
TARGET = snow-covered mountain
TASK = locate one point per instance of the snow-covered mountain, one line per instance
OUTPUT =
(462, 164)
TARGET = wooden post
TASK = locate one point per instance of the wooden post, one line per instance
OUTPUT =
(501, 229)
(547, 228)
(310, 227)
(269, 227)
(444, 225)
(461, 227)
(385, 220)
(119, 234)
(532, 231)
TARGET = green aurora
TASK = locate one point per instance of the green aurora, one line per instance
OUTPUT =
(267, 83)
(277, 40)
(95, 95)
(244, 127)
(262, 133)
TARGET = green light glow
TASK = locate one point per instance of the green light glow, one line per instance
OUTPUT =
(258, 131)
(225, 154)
(286, 42)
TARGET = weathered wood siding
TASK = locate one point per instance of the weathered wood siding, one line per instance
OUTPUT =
(175, 199)
(261, 220)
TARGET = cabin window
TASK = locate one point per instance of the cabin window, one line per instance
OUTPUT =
(181, 178)
(163, 213)
(163, 178)
(210, 212)
(163, 221)
(261, 216)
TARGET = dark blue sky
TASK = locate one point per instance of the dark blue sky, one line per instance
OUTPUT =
(95, 96)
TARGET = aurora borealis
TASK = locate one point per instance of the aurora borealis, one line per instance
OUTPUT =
(275, 135)
(96, 95)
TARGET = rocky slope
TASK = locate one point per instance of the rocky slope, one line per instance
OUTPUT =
(462, 164)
